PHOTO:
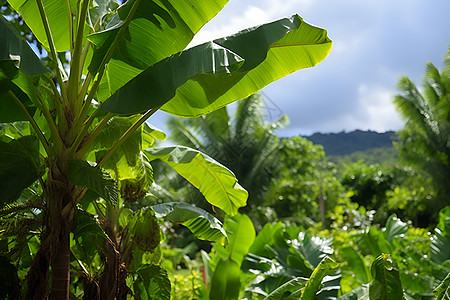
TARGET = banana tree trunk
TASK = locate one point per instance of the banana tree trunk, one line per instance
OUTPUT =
(61, 194)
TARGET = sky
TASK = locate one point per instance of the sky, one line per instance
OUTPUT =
(375, 42)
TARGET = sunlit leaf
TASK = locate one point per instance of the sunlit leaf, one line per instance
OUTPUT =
(241, 235)
(360, 293)
(225, 283)
(215, 182)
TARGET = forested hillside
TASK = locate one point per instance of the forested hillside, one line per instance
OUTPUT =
(344, 143)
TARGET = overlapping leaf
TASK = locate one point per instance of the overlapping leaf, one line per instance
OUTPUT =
(15, 48)
(57, 12)
(17, 62)
(201, 223)
(442, 291)
(207, 77)
(81, 173)
(150, 282)
(88, 236)
(312, 248)
(241, 236)
(19, 167)
(145, 32)
(287, 289)
(356, 264)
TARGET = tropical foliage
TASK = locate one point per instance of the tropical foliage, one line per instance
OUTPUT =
(424, 143)
(87, 210)
(76, 150)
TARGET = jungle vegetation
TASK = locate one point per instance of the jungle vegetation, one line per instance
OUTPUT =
(91, 208)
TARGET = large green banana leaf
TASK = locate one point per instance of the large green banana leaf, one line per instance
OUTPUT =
(215, 182)
(207, 77)
(145, 32)
(57, 12)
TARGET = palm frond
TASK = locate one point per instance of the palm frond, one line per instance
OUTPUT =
(181, 132)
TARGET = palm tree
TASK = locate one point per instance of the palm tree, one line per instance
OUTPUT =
(245, 143)
(425, 140)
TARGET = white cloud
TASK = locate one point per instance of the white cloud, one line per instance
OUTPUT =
(248, 17)
(376, 110)
(374, 43)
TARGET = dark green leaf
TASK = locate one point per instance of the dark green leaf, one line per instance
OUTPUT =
(201, 223)
(15, 48)
(9, 110)
(9, 282)
(81, 173)
(442, 291)
(264, 238)
(151, 282)
(386, 284)
(19, 167)
(439, 248)
(225, 283)
(290, 287)
(312, 248)
(440, 251)
(88, 236)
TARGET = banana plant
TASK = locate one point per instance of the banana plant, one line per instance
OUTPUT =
(73, 135)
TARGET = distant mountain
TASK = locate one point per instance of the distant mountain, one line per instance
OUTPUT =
(345, 143)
